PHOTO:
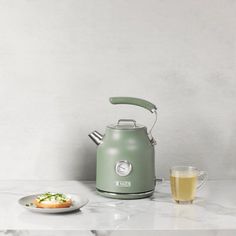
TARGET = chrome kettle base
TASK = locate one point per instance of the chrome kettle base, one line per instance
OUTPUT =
(125, 195)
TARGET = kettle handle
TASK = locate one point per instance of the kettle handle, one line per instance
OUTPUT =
(133, 101)
(138, 102)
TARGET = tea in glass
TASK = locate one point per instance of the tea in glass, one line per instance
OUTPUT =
(183, 181)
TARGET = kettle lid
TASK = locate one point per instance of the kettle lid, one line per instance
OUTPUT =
(121, 125)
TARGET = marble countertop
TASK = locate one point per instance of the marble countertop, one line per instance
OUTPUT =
(213, 209)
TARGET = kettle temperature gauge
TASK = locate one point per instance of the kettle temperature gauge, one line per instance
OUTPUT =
(123, 168)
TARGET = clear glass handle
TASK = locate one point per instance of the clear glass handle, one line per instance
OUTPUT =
(202, 176)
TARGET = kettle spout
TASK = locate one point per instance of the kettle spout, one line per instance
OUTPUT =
(96, 137)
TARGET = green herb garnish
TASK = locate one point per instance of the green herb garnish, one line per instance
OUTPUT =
(52, 197)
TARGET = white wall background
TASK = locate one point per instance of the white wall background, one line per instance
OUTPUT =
(60, 61)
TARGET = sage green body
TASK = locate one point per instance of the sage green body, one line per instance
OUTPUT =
(125, 156)
(133, 146)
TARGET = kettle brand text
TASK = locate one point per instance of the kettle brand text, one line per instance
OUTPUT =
(125, 184)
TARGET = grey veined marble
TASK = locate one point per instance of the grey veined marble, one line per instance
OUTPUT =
(45, 233)
(116, 233)
(213, 211)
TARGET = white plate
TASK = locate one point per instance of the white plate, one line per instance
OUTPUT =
(77, 203)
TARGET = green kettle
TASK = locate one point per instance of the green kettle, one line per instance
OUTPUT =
(125, 166)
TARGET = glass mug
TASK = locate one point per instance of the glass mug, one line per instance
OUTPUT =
(184, 183)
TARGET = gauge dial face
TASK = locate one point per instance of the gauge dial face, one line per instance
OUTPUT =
(123, 168)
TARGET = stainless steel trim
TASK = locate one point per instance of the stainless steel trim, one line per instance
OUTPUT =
(127, 120)
(96, 137)
(152, 140)
(153, 110)
(129, 167)
(96, 133)
(125, 194)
